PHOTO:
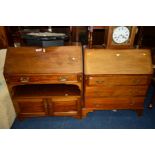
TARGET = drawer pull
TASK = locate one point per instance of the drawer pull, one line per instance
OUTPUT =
(62, 79)
(24, 79)
(73, 58)
(38, 49)
(99, 82)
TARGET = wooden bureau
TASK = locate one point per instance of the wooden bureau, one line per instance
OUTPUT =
(116, 79)
(45, 82)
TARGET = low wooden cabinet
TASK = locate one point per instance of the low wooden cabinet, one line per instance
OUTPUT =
(47, 107)
(116, 79)
(45, 82)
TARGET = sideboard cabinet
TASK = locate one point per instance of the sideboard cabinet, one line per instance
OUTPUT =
(45, 81)
(116, 79)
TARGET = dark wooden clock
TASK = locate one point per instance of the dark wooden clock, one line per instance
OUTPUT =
(120, 36)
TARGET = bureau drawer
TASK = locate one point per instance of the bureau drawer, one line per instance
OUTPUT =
(116, 91)
(117, 80)
(43, 79)
(115, 103)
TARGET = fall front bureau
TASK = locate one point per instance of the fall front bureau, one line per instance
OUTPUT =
(45, 82)
(51, 81)
(116, 79)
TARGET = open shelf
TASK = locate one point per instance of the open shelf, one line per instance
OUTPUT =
(45, 90)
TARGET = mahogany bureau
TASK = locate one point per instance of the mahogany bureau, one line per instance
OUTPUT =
(116, 79)
(45, 82)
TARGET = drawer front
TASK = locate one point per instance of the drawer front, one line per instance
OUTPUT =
(65, 108)
(31, 107)
(115, 103)
(117, 80)
(116, 91)
(43, 79)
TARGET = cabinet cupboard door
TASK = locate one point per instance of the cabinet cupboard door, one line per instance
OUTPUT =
(31, 107)
(65, 108)
(43, 107)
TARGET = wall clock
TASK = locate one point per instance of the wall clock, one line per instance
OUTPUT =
(120, 36)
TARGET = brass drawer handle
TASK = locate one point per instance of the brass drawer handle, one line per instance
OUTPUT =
(24, 79)
(62, 79)
(79, 78)
(99, 82)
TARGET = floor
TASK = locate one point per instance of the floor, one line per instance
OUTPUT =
(120, 119)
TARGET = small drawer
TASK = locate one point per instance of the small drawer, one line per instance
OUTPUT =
(42, 78)
(117, 80)
(114, 103)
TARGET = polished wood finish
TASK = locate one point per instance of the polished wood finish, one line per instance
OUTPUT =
(49, 81)
(116, 79)
(45, 82)
(109, 103)
(31, 107)
(66, 108)
(50, 60)
(111, 61)
(114, 91)
(55, 78)
(129, 44)
(108, 80)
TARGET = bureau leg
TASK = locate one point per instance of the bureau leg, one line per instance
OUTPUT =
(139, 112)
(152, 101)
(151, 104)
(78, 117)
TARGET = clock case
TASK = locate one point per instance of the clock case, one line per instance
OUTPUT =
(128, 44)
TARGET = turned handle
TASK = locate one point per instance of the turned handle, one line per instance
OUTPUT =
(62, 79)
(99, 82)
(24, 79)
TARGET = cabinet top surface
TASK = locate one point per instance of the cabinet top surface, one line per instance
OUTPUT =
(110, 61)
(31, 60)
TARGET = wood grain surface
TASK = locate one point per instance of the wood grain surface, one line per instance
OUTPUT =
(107, 61)
(62, 59)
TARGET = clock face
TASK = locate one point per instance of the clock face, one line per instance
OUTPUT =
(120, 34)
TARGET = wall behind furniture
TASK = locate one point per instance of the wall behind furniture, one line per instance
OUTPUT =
(7, 112)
